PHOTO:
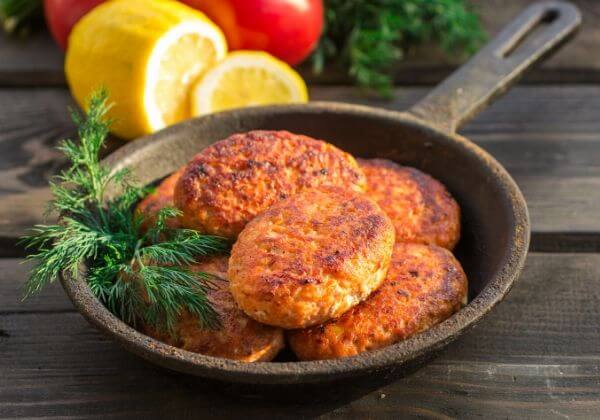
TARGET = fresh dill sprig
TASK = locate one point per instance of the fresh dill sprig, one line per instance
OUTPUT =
(138, 274)
(369, 36)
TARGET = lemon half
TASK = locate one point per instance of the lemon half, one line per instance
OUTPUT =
(247, 78)
(148, 54)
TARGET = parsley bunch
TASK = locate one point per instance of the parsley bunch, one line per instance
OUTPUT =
(369, 36)
(131, 271)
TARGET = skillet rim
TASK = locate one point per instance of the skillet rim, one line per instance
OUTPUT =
(307, 372)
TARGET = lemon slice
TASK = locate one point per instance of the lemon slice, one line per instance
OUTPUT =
(247, 78)
(148, 54)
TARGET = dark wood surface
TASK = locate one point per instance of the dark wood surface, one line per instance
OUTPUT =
(536, 356)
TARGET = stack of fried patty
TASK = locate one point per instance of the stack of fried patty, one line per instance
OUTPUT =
(342, 256)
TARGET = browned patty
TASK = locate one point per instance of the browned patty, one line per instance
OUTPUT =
(230, 182)
(238, 337)
(424, 285)
(311, 257)
(420, 207)
(157, 200)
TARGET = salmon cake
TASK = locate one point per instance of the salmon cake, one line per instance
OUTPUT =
(230, 182)
(238, 337)
(310, 258)
(424, 285)
(421, 208)
(159, 199)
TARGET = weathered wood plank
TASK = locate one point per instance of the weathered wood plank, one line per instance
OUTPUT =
(535, 355)
(37, 61)
(547, 137)
(31, 61)
(32, 122)
(13, 273)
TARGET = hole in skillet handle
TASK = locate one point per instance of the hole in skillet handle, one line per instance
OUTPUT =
(549, 17)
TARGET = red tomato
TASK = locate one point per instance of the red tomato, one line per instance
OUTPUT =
(62, 15)
(288, 29)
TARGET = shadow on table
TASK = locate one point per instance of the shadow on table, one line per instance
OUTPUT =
(188, 396)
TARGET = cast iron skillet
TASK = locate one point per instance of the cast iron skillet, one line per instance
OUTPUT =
(495, 218)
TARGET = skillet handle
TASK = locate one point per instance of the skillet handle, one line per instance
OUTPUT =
(535, 33)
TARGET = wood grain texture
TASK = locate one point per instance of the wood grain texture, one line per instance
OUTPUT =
(37, 61)
(547, 137)
(31, 61)
(13, 273)
(535, 355)
(33, 122)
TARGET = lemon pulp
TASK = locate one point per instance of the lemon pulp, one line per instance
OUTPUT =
(247, 78)
(254, 86)
(182, 64)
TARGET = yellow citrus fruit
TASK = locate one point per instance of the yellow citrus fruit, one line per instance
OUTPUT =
(147, 53)
(247, 78)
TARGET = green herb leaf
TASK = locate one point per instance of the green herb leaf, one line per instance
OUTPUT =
(369, 36)
(16, 16)
(136, 275)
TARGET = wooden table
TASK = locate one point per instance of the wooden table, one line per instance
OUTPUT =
(536, 355)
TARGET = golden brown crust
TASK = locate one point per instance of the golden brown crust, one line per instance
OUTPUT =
(424, 285)
(230, 182)
(310, 258)
(160, 198)
(238, 337)
(420, 207)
